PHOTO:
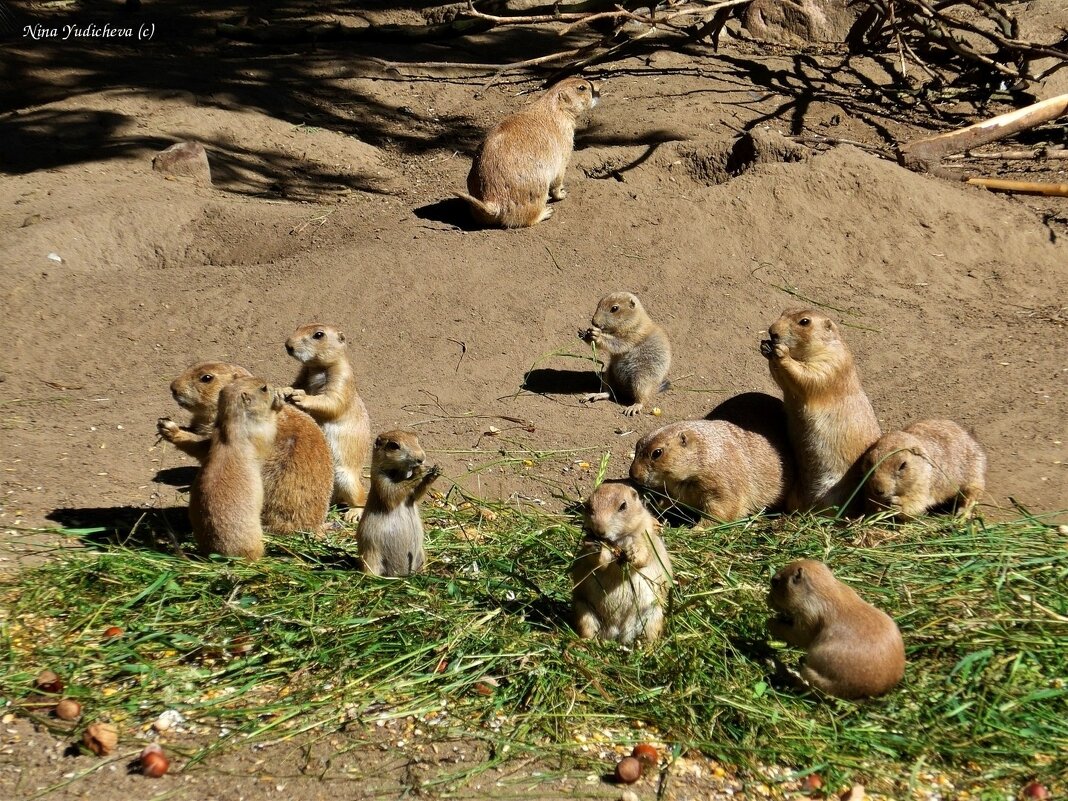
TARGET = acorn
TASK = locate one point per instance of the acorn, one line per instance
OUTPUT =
(154, 762)
(628, 770)
(49, 682)
(646, 754)
(68, 709)
(101, 738)
(112, 631)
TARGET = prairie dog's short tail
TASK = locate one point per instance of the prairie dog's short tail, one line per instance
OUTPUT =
(483, 210)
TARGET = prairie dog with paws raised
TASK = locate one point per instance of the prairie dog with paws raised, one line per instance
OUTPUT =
(390, 534)
(924, 465)
(639, 353)
(298, 474)
(521, 163)
(325, 388)
(226, 498)
(853, 650)
(622, 573)
(830, 419)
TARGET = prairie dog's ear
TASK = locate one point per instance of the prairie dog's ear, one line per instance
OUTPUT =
(378, 442)
(246, 398)
(633, 303)
(340, 337)
(682, 438)
(796, 577)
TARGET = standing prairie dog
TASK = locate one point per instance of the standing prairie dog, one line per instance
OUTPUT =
(298, 474)
(622, 573)
(639, 353)
(521, 163)
(925, 465)
(325, 388)
(715, 468)
(390, 534)
(226, 498)
(830, 419)
(853, 650)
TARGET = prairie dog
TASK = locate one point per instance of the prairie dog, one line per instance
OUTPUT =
(390, 534)
(925, 465)
(639, 353)
(830, 419)
(226, 498)
(853, 650)
(325, 388)
(715, 468)
(298, 474)
(622, 573)
(520, 165)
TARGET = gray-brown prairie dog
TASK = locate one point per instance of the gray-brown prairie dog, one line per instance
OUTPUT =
(622, 573)
(390, 534)
(298, 474)
(715, 468)
(853, 650)
(926, 464)
(226, 498)
(830, 419)
(325, 388)
(521, 163)
(639, 353)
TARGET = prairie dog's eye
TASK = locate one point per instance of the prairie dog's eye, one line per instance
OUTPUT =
(393, 446)
(582, 87)
(901, 467)
(263, 388)
(623, 506)
(658, 453)
(318, 335)
(207, 378)
(614, 309)
(804, 321)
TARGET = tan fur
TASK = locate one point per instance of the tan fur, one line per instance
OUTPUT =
(830, 419)
(325, 388)
(853, 650)
(298, 474)
(226, 498)
(925, 465)
(521, 163)
(715, 468)
(622, 573)
(391, 530)
(638, 350)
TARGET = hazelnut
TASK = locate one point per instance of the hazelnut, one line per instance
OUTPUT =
(154, 762)
(1035, 790)
(49, 682)
(101, 738)
(646, 754)
(811, 783)
(628, 770)
(112, 631)
(68, 709)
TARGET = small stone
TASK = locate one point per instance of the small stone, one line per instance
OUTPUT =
(628, 795)
(187, 160)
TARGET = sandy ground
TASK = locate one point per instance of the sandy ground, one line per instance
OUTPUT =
(331, 202)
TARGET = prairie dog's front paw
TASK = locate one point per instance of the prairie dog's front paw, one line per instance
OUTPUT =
(167, 428)
(633, 409)
(295, 396)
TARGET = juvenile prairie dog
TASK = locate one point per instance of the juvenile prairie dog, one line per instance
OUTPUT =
(639, 353)
(830, 419)
(325, 388)
(715, 468)
(298, 474)
(390, 534)
(226, 498)
(853, 650)
(926, 464)
(521, 163)
(622, 573)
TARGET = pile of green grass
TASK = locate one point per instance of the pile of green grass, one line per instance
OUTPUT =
(300, 640)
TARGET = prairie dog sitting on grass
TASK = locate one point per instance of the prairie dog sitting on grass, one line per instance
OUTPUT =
(226, 498)
(639, 353)
(622, 573)
(521, 163)
(715, 468)
(830, 419)
(325, 388)
(390, 535)
(925, 465)
(298, 474)
(853, 650)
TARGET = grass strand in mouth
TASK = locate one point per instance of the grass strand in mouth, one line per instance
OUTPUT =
(479, 645)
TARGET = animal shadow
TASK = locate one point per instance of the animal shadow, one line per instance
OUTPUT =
(181, 477)
(128, 526)
(452, 211)
(550, 381)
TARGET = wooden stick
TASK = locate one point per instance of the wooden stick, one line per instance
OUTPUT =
(924, 154)
(1017, 155)
(1021, 187)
